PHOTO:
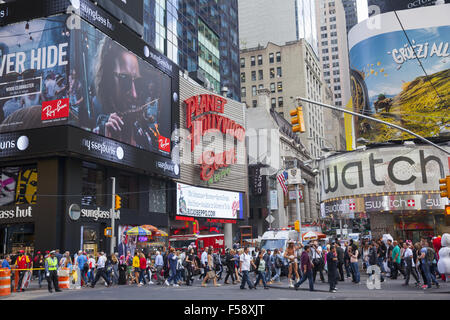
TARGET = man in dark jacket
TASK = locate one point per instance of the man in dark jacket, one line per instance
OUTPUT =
(373, 256)
(269, 262)
(340, 261)
(306, 266)
(332, 268)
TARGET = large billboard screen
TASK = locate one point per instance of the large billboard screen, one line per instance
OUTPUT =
(402, 76)
(131, 12)
(209, 203)
(50, 75)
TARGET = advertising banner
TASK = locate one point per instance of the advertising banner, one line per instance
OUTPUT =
(18, 185)
(402, 77)
(383, 170)
(360, 207)
(391, 5)
(131, 12)
(209, 203)
(50, 75)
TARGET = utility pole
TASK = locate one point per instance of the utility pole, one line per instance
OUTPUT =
(297, 202)
(113, 213)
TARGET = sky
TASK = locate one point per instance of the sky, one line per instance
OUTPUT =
(363, 10)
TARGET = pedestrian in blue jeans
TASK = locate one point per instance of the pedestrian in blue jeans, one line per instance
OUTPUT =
(426, 256)
(353, 253)
(261, 270)
(306, 266)
(172, 258)
(245, 261)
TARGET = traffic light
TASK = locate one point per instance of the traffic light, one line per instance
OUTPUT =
(297, 226)
(117, 202)
(297, 115)
(445, 187)
(447, 210)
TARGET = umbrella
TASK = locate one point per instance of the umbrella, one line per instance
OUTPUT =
(138, 231)
(313, 235)
(155, 231)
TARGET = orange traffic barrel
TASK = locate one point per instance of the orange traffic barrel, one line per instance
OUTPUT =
(5, 282)
(63, 279)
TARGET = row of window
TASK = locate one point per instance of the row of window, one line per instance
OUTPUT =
(272, 58)
(273, 89)
(261, 74)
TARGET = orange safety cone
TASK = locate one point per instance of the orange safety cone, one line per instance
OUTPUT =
(5, 282)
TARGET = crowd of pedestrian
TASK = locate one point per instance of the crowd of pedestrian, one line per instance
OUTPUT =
(171, 267)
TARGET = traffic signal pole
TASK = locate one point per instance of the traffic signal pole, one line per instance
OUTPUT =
(113, 211)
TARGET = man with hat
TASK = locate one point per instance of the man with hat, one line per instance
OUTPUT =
(51, 266)
(22, 264)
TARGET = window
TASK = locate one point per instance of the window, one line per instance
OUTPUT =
(323, 28)
(324, 43)
(260, 60)
(324, 51)
(270, 57)
(324, 36)
(242, 76)
(157, 196)
(260, 75)
(261, 86)
(243, 92)
(127, 186)
(254, 103)
(253, 90)
(279, 74)
(252, 61)
(280, 86)
(272, 87)
(273, 103)
(93, 186)
(253, 75)
(242, 62)
(280, 102)
(272, 73)
(278, 56)
(335, 64)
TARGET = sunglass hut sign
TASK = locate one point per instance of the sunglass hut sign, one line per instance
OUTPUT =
(204, 114)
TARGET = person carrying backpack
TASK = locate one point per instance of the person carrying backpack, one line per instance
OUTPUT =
(278, 265)
(427, 255)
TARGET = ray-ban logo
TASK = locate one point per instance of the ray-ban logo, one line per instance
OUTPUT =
(55, 109)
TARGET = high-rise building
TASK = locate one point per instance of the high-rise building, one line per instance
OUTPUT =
(333, 49)
(198, 36)
(351, 13)
(281, 21)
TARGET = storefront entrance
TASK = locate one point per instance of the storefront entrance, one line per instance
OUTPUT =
(16, 237)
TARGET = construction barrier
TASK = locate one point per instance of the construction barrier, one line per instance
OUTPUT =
(63, 278)
(5, 282)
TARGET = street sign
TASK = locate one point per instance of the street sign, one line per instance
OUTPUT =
(270, 219)
(294, 176)
(273, 200)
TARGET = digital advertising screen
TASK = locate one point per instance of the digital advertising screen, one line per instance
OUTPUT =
(391, 5)
(402, 76)
(51, 75)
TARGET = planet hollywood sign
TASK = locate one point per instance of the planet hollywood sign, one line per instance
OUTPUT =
(204, 114)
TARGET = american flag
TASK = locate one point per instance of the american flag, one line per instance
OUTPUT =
(282, 179)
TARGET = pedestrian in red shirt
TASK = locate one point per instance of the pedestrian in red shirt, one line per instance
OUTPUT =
(142, 267)
(22, 263)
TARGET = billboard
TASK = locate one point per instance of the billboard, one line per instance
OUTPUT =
(50, 75)
(391, 5)
(209, 203)
(131, 12)
(18, 185)
(383, 170)
(402, 79)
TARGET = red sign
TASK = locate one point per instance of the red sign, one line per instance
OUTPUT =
(221, 221)
(184, 218)
(55, 109)
(164, 144)
(211, 162)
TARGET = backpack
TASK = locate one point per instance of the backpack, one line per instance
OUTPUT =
(430, 255)
(278, 262)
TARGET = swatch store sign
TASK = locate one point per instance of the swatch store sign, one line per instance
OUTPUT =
(383, 170)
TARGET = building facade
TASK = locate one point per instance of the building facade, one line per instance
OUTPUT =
(198, 36)
(263, 21)
(333, 49)
(393, 188)
(351, 13)
(273, 148)
(79, 109)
